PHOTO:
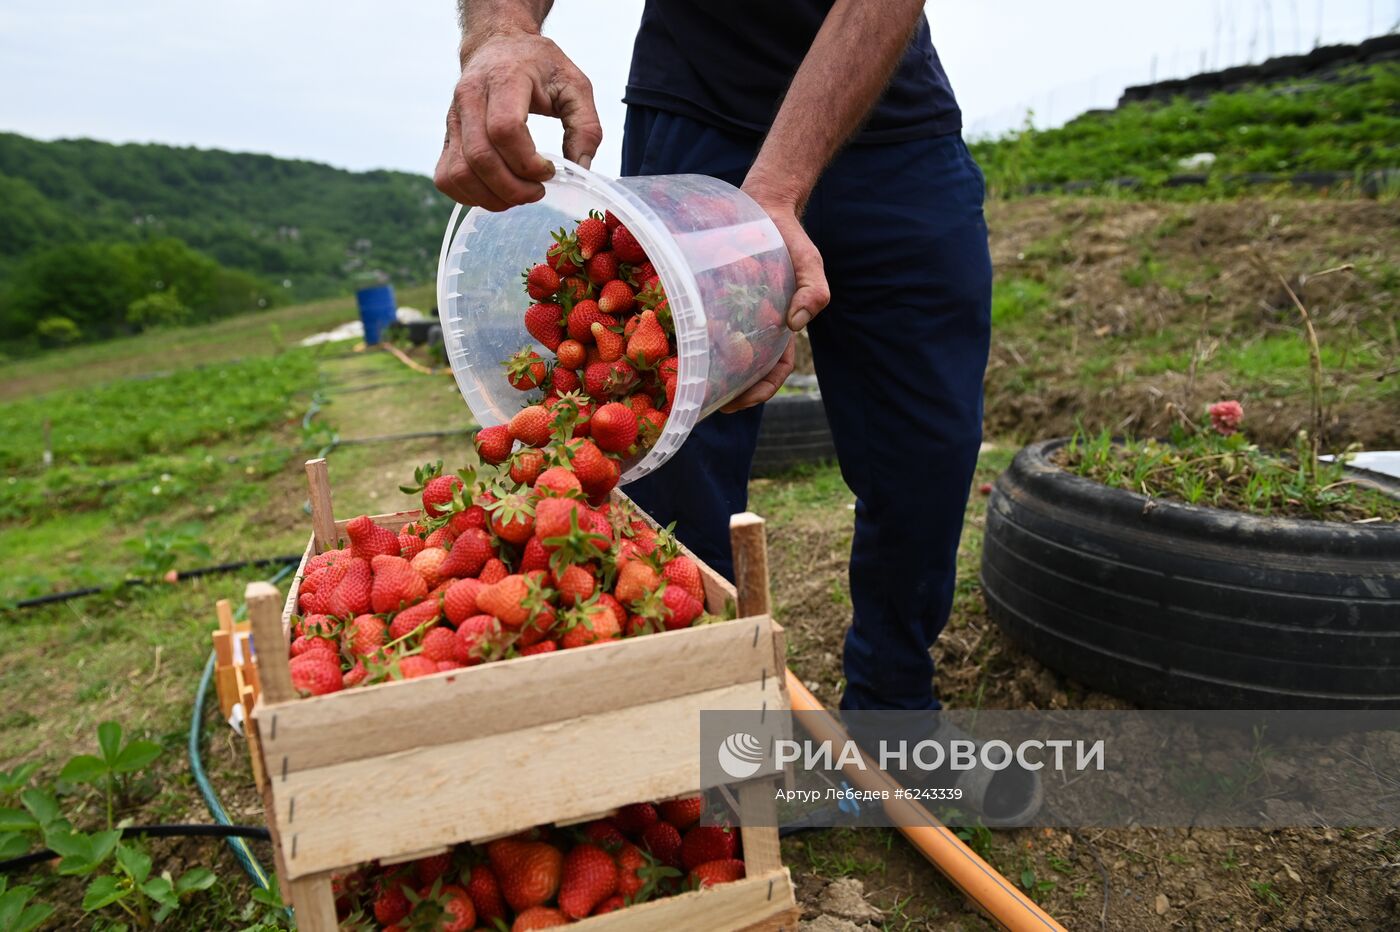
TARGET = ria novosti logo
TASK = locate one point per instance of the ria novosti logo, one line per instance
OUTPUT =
(740, 755)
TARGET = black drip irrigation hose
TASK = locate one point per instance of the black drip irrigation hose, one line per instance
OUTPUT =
(180, 574)
(149, 831)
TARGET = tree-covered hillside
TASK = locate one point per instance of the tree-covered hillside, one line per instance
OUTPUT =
(298, 229)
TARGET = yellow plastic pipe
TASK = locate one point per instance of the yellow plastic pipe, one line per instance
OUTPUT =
(977, 879)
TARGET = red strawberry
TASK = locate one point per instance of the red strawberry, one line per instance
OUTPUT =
(428, 564)
(597, 379)
(610, 220)
(468, 554)
(575, 584)
(604, 834)
(626, 247)
(553, 516)
(643, 273)
(430, 869)
(543, 647)
(582, 318)
(368, 539)
(545, 322)
(596, 472)
(411, 668)
(531, 426)
(526, 465)
(424, 614)
(459, 601)
(602, 268)
(640, 403)
(506, 601)
(575, 287)
(473, 516)
(355, 675)
(364, 635)
(534, 556)
(592, 237)
(589, 625)
(633, 819)
(635, 580)
(681, 608)
(539, 917)
(485, 892)
(683, 812)
(615, 298)
(480, 636)
(307, 643)
(683, 571)
(721, 870)
(648, 345)
(493, 572)
(565, 380)
(410, 545)
(396, 584)
(611, 905)
(614, 427)
(440, 538)
(493, 444)
(442, 644)
(513, 518)
(528, 871)
(317, 626)
(391, 901)
(571, 354)
(650, 424)
(610, 345)
(664, 842)
(562, 255)
(705, 843)
(632, 865)
(556, 480)
(316, 673)
(352, 596)
(437, 494)
(541, 281)
(589, 876)
(607, 600)
(525, 370)
(448, 909)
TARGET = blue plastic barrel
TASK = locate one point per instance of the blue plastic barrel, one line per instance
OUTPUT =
(377, 309)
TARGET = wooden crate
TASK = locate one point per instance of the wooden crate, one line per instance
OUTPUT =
(454, 755)
(235, 674)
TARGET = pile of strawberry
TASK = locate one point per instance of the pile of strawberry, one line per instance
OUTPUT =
(546, 877)
(601, 310)
(530, 560)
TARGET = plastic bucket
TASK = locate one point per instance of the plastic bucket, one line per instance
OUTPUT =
(727, 274)
(377, 309)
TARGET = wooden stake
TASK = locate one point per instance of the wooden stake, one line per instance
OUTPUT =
(322, 514)
(270, 642)
(750, 544)
(314, 904)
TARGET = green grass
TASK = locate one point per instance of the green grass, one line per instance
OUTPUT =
(1349, 126)
(1015, 298)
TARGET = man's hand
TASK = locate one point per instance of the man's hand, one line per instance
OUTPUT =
(488, 158)
(810, 296)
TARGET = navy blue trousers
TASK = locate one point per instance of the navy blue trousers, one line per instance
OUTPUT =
(900, 354)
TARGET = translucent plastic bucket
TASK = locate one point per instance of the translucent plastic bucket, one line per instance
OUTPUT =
(727, 275)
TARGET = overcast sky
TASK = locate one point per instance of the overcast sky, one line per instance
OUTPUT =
(365, 83)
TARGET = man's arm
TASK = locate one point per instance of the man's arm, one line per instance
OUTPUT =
(840, 78)
(509, 71)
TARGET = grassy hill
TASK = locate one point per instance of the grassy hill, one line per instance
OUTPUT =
(283, 229)
(1348, 125)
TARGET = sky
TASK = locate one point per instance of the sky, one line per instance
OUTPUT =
(365, 84)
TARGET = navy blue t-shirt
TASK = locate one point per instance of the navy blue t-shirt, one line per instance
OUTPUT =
(728, 63)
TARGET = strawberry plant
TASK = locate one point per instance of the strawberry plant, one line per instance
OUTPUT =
(17, 913)
(1213, 463)
(112, 768)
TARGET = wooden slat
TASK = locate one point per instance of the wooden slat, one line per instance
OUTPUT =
(314, 904)
(289, 608)
(322, 513)
(270, 641)
(249, 700)
(758, 826)
(743, 904)
(447, 794)
(749, 542)
(519, 693)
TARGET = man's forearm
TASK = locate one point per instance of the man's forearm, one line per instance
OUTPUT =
(482, 17)
(841, 77)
